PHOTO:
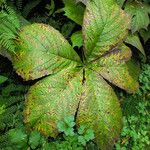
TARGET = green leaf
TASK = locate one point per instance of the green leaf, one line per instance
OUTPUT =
(74, 89)
(114, 68)
(89, 135)
(52, 99)
(133, 39)
(34, 139)
(18, 138)
(74, 11)
(82, 140)
(3, 79)
(58, 95)
(66, 126)
(42, 50)
(105, 25)
(120, 2)
(77, 39)
(99, 110)
(81, 130)
(139, 13)
(145, 34)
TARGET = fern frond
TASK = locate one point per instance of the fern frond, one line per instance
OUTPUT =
(12, 89)
(29, 6)
(11, 101)
(9, 26)
(19, 4)
(12, 17)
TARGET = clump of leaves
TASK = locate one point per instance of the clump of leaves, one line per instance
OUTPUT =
(70, 141)
(76, 85)
(144, 78)
(67, 125)
(135, 132)
(140, 15)
(19, 139)
(11, 107)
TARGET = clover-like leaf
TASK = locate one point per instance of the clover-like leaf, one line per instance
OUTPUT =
(34, 139)
(89, 135)
(67, 125)
(82, 140)
(105, 25)
(39, 53)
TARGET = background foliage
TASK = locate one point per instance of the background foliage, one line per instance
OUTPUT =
(135, 133)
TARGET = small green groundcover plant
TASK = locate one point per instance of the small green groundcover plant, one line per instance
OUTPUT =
(136, 120)
(75, 85)
(69, 140)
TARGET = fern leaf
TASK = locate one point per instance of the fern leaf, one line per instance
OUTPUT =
(19, 4)
(29, 6)
(9, 26)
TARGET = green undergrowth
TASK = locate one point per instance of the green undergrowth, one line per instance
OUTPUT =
(134, 135)
(63, 16)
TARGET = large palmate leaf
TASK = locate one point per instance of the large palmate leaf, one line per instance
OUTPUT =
(39, 53)
(73, 88)
(60, 95)
(74, 11)
(105, 26)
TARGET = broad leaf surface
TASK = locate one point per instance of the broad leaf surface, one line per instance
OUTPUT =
(52, 99)
(133, 39)
(104, 26)
(60, 95)
(42, 50)
(99, 109)
(114, 68)
(139, 13)
(145, 34)
(74, 11)
(77, 39)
